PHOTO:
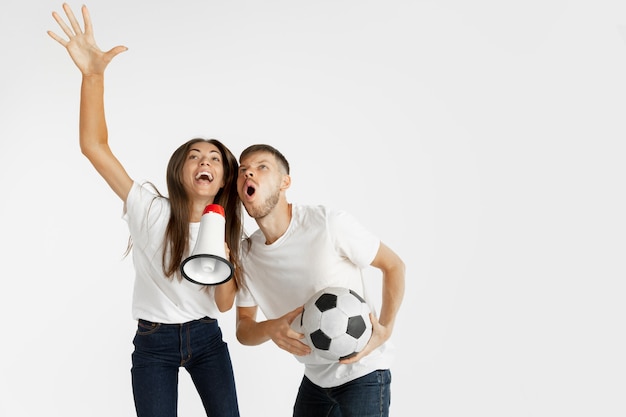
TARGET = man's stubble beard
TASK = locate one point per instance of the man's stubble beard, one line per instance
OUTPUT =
(262, 210)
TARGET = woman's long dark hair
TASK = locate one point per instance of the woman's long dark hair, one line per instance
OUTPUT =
(177, 232)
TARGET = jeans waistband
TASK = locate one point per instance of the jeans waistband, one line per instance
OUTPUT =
(152, 323)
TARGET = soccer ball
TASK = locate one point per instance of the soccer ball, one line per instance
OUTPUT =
(336, 323)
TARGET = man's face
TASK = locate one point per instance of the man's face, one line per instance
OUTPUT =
(259, 183)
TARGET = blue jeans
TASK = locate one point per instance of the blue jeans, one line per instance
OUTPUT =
(161, 349)
(368, 396)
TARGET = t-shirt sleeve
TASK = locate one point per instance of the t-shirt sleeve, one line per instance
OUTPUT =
(243, 297)
(143, 209)
(352, 239)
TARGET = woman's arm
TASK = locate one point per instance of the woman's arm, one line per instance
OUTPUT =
(92, 62)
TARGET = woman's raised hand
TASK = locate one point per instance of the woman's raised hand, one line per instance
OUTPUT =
(81, 46)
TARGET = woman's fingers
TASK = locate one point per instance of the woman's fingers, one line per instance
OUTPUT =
(72, 19)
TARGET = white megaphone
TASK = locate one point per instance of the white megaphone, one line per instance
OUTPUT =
(207, 264)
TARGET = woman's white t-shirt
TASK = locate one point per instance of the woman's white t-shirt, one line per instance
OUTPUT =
(157, 298)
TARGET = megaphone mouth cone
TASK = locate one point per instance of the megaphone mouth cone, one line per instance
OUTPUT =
(196, 270)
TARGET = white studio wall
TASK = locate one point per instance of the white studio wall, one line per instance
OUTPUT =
(483, 141)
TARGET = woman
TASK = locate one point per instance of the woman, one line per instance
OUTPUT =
(177, 323)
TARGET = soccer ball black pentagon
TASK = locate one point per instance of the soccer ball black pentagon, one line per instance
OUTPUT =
(336, 323)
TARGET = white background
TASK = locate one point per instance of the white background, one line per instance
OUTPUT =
(481, 140)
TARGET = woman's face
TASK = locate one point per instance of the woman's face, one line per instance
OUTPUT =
(203, 171)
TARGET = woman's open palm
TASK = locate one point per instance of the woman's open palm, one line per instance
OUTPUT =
(87, 56)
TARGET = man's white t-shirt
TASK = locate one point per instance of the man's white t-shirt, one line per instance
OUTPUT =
(321, 248)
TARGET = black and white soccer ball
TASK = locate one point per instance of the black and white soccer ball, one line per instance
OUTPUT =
(336, 323)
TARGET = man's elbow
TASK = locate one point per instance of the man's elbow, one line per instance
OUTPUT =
(243, 335)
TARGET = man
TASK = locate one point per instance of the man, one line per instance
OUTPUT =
(297, 251)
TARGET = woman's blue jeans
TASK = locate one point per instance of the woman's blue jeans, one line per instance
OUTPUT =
(368, 396)
(161, 349)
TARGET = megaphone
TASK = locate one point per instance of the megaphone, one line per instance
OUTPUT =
(207, 264)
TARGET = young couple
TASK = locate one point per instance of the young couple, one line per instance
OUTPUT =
(296, 251)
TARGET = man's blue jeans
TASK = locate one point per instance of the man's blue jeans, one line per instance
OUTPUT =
(368, 396)
(161, 349)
